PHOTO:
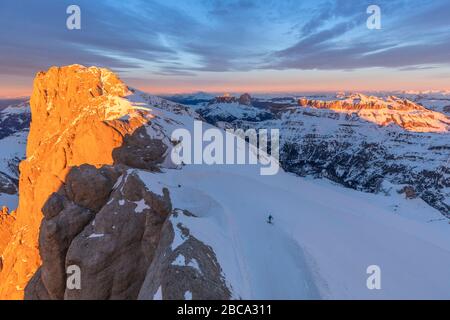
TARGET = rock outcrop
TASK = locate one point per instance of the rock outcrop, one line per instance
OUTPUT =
(393, 110)
(82, 202)
(229, 109)
(121, 243)
(6, 226)
(189, 271)
(245, 99)
(71, 108)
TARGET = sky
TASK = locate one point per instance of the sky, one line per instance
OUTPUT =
(175, 46)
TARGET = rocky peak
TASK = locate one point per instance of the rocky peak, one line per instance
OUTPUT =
(384, 111)
(245, 99)
(62, 96)
(82, 201)
(75, 121)
(224, 99)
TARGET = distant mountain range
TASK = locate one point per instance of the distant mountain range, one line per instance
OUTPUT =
(381, 144)
(14, 127)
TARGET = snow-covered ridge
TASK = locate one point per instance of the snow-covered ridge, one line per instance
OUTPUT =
(385, 111)
(14, 126)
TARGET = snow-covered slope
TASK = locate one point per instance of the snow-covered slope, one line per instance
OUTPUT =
(14, 125)
(232, 111)
(228, 109)
(324, 237)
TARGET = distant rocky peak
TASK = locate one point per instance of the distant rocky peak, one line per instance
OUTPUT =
(384, 111)
(75, 83)
(244, 99)
(226, 98)
(80, 116)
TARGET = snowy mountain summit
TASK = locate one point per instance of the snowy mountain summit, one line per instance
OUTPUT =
(385, 111)
(229, 108)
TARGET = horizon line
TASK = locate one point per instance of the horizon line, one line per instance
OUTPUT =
(212, 92)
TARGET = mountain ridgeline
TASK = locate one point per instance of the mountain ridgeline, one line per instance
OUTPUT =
(373, 144)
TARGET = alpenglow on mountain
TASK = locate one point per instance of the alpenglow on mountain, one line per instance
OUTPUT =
(97, 189)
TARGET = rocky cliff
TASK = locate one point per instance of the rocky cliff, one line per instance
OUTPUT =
(229, 109)
(6, 227)
(384, 112)
(81, 202)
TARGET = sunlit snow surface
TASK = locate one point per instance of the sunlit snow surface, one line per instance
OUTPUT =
(323, 239)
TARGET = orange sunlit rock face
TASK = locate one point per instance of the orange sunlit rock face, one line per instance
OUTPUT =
(69, 127)
(6, 224)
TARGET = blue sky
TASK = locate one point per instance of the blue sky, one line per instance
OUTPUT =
(232, 45)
